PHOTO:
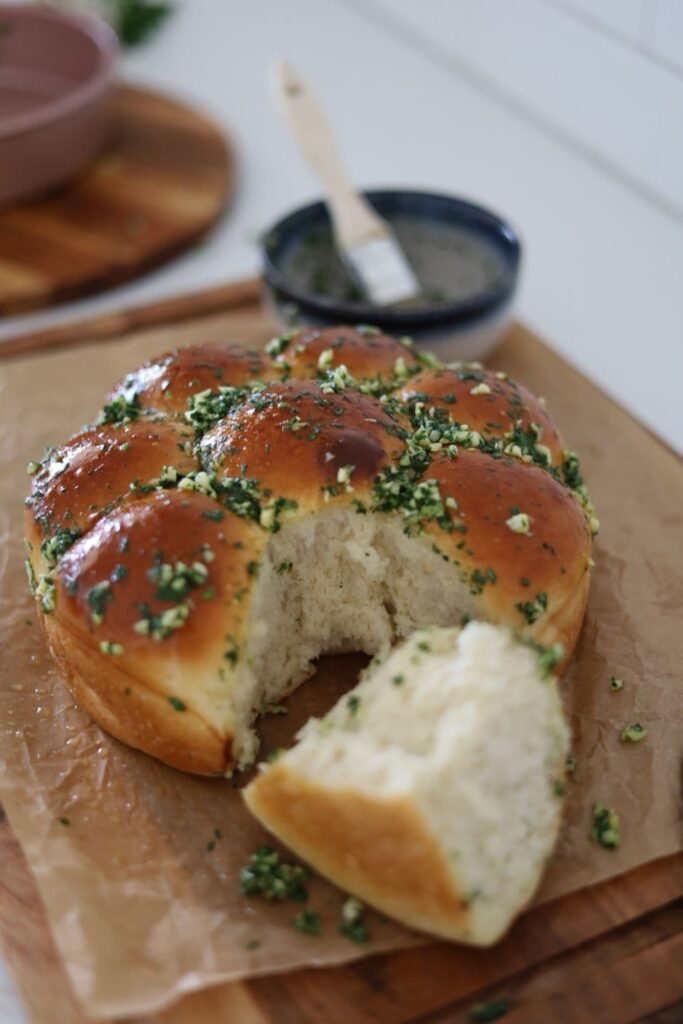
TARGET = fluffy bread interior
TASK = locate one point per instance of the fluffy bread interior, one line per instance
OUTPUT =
(461, 729)
(336, 581)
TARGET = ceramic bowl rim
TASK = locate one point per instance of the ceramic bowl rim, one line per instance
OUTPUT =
(474, 308)
(90, 27)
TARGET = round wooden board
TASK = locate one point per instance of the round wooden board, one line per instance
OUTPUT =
(165, 179)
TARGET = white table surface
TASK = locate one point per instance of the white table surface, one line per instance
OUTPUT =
(562, 114)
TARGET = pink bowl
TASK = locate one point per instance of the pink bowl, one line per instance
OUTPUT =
(56, 74)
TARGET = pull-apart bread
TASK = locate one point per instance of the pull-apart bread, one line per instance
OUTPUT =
(433, 790)
(231, 515)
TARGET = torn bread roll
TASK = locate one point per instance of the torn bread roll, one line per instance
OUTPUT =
(432, 791)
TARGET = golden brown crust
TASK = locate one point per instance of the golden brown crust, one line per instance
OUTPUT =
(168, 672)
(131, 710)
(378, 849)
(92, 473)
(165, 383)
(523, 580)
(494, 413)
(294, 437)
(365, 352)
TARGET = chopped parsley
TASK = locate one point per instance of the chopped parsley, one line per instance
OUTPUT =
(353, 703)
(606, 827)
(98, 597)
(177, 704)
(352, 924)
(273, 709)
(60, 542)
(479, 579)
(174, 582)
(616, 684)
(548, 657)
(398, 679)
(121, 409)
(268, 875)
(484, 1012)
(519, 522)
(207, 407)
(532, 610)
(633, 733)
(309, 922)
(107, 647)
(161, 626)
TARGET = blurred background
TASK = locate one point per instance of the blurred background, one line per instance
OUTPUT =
(563, 115)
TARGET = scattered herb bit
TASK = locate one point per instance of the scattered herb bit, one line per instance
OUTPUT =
(207, 407)
(559, 787)
(64, 821)
(548, 657)
(519, 523)
(633, 733)
(268, 875)
(275, 753)
(274, 709)
(398, 680)
(159, 627)
(277, 346)
(175, 581)
(177, 704)
(570, 764)
(352, 920)
(60, 542)
(606, 827)
(482, 1012)
(253, 568)
(98, 597)
(120, 410)
(252, 944)
(479, 579)
(284, 567)
(111, 648)
(531, 610)
(616, 684)
(325, 359)
(353, 703)
(32, 467)
(308, 922)
(217, 516)
(136, 20)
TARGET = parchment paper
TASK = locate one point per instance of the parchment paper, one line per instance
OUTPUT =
(141, 908)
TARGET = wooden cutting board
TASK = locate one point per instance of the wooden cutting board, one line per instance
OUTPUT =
(612, 953)
(160, 185)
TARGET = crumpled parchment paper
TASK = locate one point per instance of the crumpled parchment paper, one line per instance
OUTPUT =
(141, 886)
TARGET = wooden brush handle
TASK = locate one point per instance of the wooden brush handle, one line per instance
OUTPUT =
(355, 222)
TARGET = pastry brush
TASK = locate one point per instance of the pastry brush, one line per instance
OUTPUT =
(365, 241)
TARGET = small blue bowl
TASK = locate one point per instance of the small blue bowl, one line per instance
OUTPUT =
(468, 326)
